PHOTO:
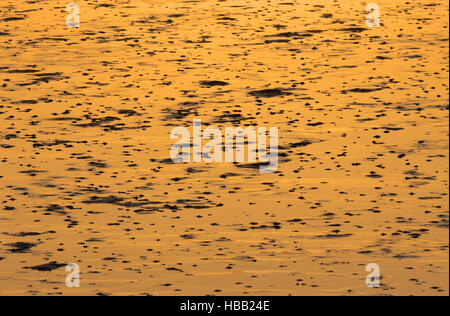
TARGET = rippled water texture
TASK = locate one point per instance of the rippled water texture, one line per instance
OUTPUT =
(85, 170)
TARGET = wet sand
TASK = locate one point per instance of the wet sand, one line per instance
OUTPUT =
(85, 170)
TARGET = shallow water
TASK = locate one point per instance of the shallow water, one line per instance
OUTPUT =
(86, 115)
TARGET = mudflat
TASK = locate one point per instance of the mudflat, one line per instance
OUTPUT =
(85, 169)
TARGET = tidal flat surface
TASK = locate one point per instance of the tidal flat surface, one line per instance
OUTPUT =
(85, 170)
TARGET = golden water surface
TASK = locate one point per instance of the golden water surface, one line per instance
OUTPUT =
(85, 170)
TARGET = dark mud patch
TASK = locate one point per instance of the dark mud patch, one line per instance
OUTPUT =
(50, 144)
(231, 118)
(275, 226)
(181, 111)
(104, 200)
(363, 90)
(334, 236)
(214, 83)
(269, 93)
(22, 71)
(21, 247)
(28, 234)
(128, 112)
(55, 209)
(354, 29)
(98, 164)
(47, 267)
(43, 77)
(301, 144)
(256, 165)
(13, 18)
(96, 122)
